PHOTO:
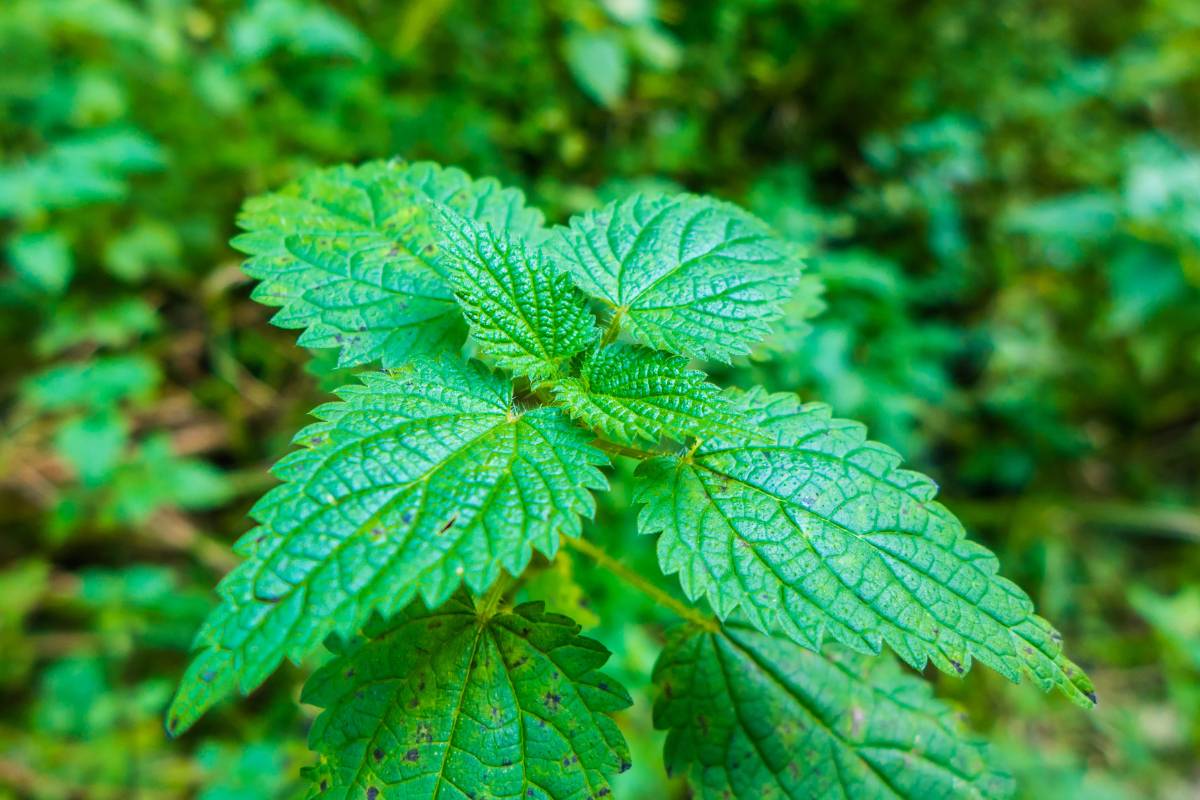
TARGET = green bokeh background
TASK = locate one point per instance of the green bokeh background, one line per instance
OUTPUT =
(1000, 200)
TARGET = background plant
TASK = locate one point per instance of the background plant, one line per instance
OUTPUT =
(963, 175)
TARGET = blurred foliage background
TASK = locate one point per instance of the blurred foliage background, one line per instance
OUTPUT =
(1001, 203)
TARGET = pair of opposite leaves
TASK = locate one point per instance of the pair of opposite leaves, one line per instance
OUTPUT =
(429, 476)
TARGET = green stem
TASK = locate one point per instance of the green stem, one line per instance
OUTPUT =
(614, 327)
(622, 450)
(490, 604)
(644, 586)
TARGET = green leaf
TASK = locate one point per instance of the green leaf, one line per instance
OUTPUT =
(96, 383)
(818, 531)
(455, 701)
(753, 716)
(631, 393)
(42, 260)
(348, 254)
(600, 65)
(526, 315)
(93, 444)
(89, 167)
(418, 481)
(683, 273)
(154, 478)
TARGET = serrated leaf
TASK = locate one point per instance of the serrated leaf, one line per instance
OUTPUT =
(819, 532)
(753, 716)
(632, 393)
(348, 255)
(526, 315)
(683, 273)
(415, 482)
(457, 703)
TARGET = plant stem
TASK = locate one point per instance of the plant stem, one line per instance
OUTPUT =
(614, 327)
(622, 450)
(490, 603)
(644, 586)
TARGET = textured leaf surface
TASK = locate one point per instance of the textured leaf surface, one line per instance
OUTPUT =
(525, 314)
(415, 482)
(632, 393)
(752, 716)
(444, 704)
(348, 255)
(818, 531)
(685, 273)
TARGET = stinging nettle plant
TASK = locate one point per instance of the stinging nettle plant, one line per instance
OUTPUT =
(412, 509)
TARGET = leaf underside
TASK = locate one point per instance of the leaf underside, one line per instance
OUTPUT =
(632, 394)
(525, 315)
(444, 704)
(348, 255)
(750, 715)
(415, 482)
(818, 532)
(688, 274)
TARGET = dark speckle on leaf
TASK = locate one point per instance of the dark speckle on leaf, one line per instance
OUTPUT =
(372, 793)
(378, 754)
(413, 755)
